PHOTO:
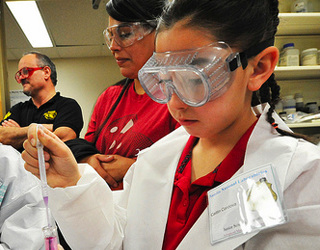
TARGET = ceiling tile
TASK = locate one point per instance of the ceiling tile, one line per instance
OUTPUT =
(74, 26)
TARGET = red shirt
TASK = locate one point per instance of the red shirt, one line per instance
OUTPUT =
(136, 123)
(189, 200)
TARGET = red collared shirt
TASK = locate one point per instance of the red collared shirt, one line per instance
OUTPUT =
(189, 200)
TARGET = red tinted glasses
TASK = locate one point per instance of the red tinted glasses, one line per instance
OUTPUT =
(26, 72)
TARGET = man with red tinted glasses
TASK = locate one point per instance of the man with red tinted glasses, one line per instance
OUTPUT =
(38, 77)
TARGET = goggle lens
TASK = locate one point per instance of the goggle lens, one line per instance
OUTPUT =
(126, 34)
(25, 72)
(188, 85)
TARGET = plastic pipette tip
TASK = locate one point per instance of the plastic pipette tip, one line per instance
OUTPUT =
(43, 175)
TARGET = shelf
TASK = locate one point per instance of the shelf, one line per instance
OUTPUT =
(303, 29)
(299, 24)
(304, 125)
(297, 72)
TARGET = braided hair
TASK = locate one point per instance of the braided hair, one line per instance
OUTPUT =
(270, 92)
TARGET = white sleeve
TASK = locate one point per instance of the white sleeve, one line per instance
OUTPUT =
(86, 213)
(23, 216)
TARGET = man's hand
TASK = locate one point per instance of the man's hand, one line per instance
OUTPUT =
(12, 134)
(10, 123)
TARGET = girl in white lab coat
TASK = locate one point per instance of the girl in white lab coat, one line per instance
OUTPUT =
(212, 60)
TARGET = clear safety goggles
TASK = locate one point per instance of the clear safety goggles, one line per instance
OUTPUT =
(196, 75)
(126, 34)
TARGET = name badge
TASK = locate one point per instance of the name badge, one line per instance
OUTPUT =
(249, 202)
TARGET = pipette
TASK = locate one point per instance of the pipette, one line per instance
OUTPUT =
(43, 176)
(50, 232)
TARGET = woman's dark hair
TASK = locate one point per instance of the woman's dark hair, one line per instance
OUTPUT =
(44, 60)
(135, 10)
(239, 23)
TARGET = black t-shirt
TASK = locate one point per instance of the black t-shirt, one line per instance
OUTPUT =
(59, 111)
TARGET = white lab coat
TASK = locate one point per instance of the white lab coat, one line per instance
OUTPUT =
(22, 212)
(89, 219)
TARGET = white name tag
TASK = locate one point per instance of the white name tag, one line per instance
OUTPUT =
(252, 201)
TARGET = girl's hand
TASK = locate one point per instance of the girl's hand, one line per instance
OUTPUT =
(61, 167)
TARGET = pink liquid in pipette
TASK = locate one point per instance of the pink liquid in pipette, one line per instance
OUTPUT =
(51, 243)
(46, 200)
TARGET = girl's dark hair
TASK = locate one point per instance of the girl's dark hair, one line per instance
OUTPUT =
(239, 23)
(44, 60)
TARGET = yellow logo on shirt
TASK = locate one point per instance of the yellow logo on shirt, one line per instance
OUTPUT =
(50, 115)
(7, 115)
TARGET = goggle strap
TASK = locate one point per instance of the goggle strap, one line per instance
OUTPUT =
(255, 50)
(252, 51)
(243, 59)
(237, 61)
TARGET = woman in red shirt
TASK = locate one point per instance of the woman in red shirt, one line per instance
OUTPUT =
(125, 119)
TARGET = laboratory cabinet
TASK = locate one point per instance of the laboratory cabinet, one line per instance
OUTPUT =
(302, 29)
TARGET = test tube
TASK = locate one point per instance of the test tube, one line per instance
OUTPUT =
(51, 237)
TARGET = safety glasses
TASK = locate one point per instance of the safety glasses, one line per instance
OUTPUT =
(126, 34)
(25, 72)
(196, 75)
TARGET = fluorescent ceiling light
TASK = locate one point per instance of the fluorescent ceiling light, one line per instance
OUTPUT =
(29, 18)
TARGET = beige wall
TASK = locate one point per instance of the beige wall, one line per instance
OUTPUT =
(3, 66)
(82, 79)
